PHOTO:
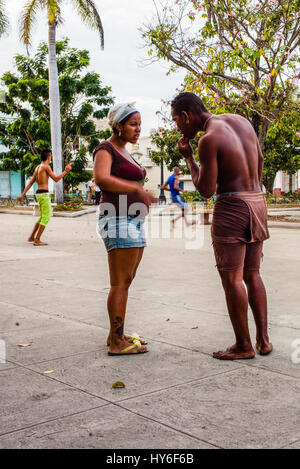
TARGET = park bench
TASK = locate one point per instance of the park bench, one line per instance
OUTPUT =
(36, 211)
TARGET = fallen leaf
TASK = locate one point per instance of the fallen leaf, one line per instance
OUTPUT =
(118, 385)
(168, 319)
(25, 345)
(48, 372)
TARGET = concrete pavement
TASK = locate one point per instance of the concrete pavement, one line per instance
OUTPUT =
(176, 396)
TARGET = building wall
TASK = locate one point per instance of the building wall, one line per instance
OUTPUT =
(10, 184)
(15, 184)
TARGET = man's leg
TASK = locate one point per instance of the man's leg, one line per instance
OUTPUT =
(37, 239)
(230, 263)
(177, 218)
(257, 296)
(45, 211)
(32, 236)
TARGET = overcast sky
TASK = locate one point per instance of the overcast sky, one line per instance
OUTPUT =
(118, 63)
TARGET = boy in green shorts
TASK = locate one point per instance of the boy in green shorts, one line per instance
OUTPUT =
(41, 175)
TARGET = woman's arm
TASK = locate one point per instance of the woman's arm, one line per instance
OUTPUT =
(110, 183)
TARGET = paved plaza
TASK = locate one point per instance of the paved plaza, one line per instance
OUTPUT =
(53, 299)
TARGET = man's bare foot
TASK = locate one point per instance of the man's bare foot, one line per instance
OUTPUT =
(30, 239)
(127, 337)
(116, 349)
(235, 353)
(38, 242)
(263, 347)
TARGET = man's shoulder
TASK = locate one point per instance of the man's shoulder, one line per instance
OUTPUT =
(207, 140)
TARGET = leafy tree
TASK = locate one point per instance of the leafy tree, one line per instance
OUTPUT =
(25, 121)
(282, 148)
(166, 142)
(87, 10)
(240, 54)
(3, 19)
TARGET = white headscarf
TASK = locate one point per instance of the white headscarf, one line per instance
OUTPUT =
(118, 112)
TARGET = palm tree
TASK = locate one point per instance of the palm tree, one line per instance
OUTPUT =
(87, 10)
(3, 19)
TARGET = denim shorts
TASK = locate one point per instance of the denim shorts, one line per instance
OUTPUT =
(180, 202)
(122, 232)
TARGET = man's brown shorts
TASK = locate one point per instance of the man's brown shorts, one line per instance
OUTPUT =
(232, 234)
(236, 256)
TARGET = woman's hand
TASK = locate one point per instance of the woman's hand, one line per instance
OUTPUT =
(146, 196)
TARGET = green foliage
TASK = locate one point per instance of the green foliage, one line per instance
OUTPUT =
(166, 142)
(25, 121)
(193, 196)
(239, 54)
(288, 198)
(70, 206)
(282, 148)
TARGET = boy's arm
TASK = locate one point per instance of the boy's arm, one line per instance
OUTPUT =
(58, 178)
(29, 185)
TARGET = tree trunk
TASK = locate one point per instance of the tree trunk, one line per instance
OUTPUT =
(268, 182)
(263, 133)
(55, 119)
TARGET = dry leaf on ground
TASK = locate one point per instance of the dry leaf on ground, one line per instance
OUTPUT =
(118, 385)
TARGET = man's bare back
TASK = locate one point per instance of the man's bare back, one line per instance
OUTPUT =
(239, 158)
(42, 176)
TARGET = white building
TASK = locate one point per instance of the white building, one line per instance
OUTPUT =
(286, 183)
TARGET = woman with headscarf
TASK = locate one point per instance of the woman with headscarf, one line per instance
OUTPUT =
(123, 207)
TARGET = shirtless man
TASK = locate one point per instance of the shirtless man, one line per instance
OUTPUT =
(41, 175)
(231, 164)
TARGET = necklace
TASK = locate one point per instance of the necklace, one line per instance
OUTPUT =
(206, 122)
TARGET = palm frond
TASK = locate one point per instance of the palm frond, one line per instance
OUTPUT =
(3, 19)
(28, 18)
(54, 11)
(87, 10)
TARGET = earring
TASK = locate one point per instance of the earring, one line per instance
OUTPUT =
(120, 133)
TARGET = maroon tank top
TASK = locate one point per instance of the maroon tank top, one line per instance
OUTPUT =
(124, 169)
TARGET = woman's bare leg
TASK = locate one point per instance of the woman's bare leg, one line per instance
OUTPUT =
(122, 267)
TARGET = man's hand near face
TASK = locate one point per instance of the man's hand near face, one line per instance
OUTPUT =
(185, 148)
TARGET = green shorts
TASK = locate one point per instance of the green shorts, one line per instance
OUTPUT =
(45, 208)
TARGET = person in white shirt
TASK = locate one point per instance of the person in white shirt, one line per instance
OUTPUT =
(89, 188)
